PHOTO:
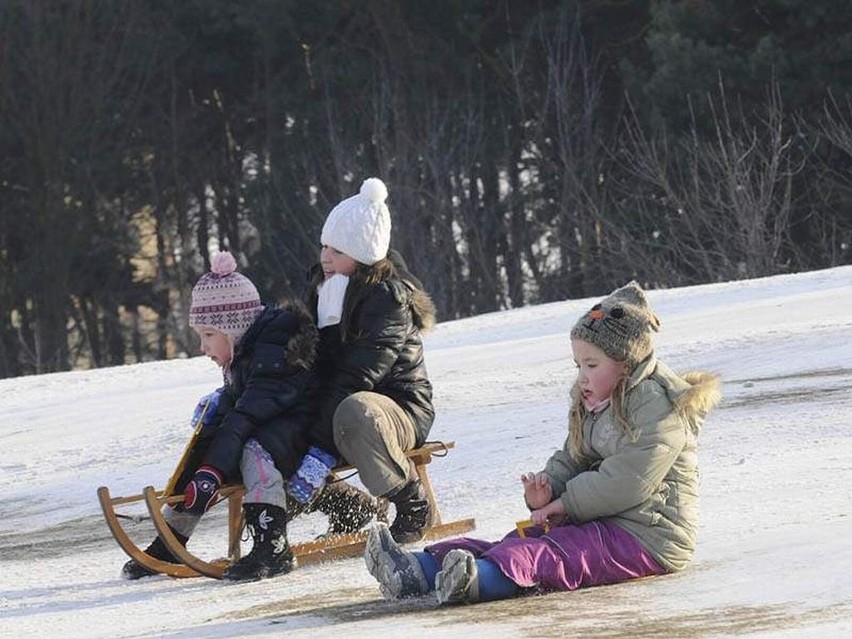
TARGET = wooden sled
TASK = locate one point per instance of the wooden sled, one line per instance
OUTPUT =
(327, 549)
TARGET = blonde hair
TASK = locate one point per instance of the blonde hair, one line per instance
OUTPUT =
(579, 412)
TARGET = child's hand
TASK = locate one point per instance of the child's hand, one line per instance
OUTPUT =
(542, 516)
(309, 479)
(207, 406)
(202, 491)
(537, 489)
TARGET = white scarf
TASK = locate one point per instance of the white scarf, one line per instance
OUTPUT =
(330, 296)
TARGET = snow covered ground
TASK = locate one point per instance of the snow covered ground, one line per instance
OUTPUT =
(775, 551)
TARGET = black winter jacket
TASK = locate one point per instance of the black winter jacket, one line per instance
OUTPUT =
(376, 347)
(271, 396)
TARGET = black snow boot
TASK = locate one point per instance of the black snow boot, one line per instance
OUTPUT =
(348, 509)
(412, 513)
(271, 554)
(133, 571)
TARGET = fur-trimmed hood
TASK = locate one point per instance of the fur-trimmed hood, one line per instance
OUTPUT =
(290, 325)
(693, 394)
(302, 346)
(406, 288)
(704, 394)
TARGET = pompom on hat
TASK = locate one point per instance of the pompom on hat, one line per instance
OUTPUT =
(622, 325)
(360, 225)
(225, 300)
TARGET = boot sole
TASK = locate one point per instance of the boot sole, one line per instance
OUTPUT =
(264, 573)
(456, 582)
(397, 570)
(135, 571)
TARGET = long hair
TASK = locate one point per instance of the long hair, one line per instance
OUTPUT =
(367, 276)
(364, 277)
(579, 412)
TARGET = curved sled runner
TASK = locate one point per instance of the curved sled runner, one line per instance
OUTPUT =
(133, 551)
(214, 569)
(108, 504)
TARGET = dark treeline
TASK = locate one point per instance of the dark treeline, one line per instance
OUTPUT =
(534, 151)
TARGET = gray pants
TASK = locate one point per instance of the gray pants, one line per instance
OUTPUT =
(263, 482)
(372, 432)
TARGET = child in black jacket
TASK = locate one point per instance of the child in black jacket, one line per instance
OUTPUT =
(255, 426)
(376, 397)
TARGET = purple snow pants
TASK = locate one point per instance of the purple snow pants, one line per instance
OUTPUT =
(566, 558)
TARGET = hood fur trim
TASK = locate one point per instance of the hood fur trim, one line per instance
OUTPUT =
(301, 348)
(704, 394)
(422, 308)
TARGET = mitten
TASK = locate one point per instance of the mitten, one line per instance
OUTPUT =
(308, 480)
(211, 401)
(202, 490)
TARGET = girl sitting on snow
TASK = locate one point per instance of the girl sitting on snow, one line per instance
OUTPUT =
(618, 502)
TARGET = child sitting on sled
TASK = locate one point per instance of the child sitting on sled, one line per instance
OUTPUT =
(255, 426)
(375, 397)
(619, 501)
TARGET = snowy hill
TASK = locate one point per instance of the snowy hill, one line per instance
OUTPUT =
(774, 556)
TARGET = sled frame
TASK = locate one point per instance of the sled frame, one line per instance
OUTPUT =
(327, 549)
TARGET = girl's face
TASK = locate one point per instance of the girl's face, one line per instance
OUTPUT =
(335, 262)
(215, 345)
(597, 373)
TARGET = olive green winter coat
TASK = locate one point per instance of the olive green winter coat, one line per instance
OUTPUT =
(645, 481)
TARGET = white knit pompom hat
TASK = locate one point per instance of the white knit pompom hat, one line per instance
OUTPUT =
(360, 225)
(224, 299)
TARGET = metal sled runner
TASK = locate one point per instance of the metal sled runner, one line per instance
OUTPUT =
(327, 549)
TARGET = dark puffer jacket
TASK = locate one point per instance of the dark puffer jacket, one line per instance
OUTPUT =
(376, 347)
(271, 396)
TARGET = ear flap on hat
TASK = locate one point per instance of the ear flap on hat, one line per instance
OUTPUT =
(630, 293)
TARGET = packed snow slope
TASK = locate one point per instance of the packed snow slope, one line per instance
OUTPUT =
(775, 549)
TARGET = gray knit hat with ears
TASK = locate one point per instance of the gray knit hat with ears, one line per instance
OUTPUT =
(621, 325)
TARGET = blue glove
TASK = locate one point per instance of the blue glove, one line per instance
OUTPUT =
(202, 490)
(211, 401)
(305, 484)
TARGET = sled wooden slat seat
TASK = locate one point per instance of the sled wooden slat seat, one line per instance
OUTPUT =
(326, 549)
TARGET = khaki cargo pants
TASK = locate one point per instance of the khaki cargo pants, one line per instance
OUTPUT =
(372, 432)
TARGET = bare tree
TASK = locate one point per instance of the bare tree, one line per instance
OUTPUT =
(710, 208)
(828, 224)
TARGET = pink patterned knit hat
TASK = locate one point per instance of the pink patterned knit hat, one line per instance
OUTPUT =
(224, 299)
